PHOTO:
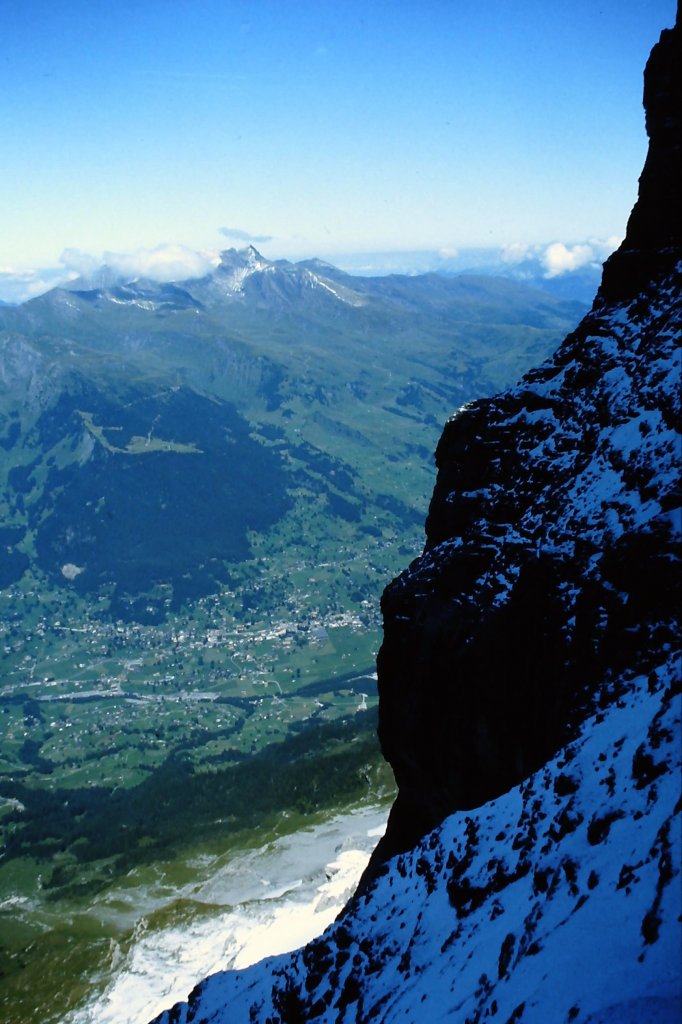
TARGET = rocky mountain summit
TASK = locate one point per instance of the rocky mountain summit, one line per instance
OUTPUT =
(529, 689)
(240, 275)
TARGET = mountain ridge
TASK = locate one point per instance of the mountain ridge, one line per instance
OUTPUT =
(239, 269)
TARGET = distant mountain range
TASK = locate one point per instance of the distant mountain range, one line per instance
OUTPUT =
(566, 271)
(149, 429)
(570, 271)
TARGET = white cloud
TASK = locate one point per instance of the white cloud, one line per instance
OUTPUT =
(516, 252)
(240, 235)
(18, 286)
(560, 259)
(611, 244)
(81, 263)
(163, 263)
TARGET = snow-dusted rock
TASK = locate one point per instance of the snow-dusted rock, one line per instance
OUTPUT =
(558, 901)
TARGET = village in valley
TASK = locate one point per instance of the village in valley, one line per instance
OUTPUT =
(91, 701)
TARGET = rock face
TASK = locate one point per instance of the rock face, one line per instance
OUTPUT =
(548, 569)
(652, 243)
(529, 690)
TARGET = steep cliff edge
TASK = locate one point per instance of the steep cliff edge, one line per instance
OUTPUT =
(548, 569)
(652, 243)
(530, 691)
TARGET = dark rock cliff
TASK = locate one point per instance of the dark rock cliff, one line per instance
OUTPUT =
(548, 565)
(652, 243)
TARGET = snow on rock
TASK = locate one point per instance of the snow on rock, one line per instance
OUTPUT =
(551, 562)
(281, 280)
(558, 901)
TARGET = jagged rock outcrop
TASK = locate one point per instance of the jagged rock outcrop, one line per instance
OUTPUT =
(652, 243)
(549, 566)
(529, 682)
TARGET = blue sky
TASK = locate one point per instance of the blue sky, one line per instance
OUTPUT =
(317, 127)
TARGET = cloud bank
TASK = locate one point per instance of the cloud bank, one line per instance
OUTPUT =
(17, 286)
(558, 258)
(165, 262)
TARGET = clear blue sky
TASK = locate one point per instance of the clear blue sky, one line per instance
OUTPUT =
(324, 127)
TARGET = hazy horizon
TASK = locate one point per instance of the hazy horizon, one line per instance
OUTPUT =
(166, 263)
(316, 130)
